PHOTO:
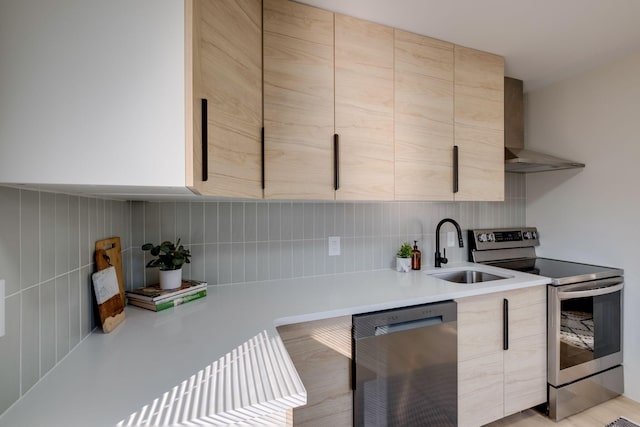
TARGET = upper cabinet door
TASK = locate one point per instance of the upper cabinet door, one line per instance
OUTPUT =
(364, 109)
(92, 93)
(224, 50)
(298, 101)
(479, 124)
(423, 118)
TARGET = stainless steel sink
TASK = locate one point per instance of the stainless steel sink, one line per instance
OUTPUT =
(467, 276)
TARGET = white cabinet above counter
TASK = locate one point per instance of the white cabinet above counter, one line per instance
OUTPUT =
(92, 93)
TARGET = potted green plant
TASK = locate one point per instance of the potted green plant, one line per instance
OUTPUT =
(403, 258)
(169, 258)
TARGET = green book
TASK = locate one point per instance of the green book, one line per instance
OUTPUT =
(163, 305)
(154, 294)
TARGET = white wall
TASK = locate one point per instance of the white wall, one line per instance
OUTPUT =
(592, 215)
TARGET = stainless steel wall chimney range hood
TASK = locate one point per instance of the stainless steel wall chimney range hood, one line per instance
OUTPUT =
(516, 157)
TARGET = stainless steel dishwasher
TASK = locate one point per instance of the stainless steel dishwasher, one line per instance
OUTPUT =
(405, 366)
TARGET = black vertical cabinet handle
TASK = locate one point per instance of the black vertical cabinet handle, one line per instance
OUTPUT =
(505, 325)
(336, 161)
(455, 168)
(262, 159)
(205, 142)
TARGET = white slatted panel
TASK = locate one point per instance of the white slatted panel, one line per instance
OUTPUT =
(253, 385)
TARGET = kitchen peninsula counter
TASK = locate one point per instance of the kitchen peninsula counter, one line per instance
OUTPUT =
(108, 377)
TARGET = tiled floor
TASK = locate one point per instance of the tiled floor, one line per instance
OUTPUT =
(599, 416)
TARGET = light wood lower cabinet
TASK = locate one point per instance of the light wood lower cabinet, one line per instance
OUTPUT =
(321, 353)
(493, 382)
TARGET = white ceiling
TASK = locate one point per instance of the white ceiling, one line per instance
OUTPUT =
(543, 41)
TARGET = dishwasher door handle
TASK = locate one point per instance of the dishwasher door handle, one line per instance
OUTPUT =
(405, 326)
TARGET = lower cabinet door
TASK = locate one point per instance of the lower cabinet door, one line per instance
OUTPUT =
(525, 363)
(494, 382)
(321, 353)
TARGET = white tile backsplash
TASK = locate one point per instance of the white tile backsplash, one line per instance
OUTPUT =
(261, 240)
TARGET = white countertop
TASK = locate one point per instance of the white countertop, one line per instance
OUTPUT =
(110, 376)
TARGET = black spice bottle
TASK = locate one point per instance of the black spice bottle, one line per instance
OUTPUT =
(416, 257)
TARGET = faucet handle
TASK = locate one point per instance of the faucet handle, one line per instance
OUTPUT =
(444, 259)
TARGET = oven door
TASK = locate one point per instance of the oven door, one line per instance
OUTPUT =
(585, 329)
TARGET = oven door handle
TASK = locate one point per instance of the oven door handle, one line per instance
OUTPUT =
(563, 295)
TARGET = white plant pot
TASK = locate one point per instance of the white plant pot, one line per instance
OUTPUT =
(403, 265)
(170, 279)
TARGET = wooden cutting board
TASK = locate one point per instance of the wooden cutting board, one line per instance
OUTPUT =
(111, 310)
(112, 256)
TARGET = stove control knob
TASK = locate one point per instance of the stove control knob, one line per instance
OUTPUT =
(534, 235)
(491, 237)
(482, 237)
(527, 235)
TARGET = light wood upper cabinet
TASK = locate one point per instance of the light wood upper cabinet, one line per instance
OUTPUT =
(298, 101)
(493, 382)
(224, 52)
(364, 109)
(479, 124)
(423, 118)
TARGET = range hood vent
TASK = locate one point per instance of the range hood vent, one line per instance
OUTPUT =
(516, 157)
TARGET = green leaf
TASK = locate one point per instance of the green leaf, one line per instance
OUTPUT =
(168, 256)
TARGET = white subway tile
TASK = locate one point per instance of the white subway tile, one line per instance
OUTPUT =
(47, 326)
(30, 338)
(210, 222)
(274, 222)
(48, 235)
(237, 222)
(224, 223)
(74, 233)
(62, 316)
(29, 239)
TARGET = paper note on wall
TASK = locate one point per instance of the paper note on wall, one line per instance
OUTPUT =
(105, 283)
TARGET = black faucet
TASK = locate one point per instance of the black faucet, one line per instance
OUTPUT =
(443, 259)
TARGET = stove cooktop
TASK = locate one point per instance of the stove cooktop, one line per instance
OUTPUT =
(562, 272)
(514, 249)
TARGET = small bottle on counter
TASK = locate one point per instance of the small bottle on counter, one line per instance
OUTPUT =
(416, 257)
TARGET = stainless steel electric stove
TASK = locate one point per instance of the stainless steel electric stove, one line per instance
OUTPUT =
(584, 322)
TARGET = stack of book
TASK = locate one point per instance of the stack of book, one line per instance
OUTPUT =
(156, 299)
